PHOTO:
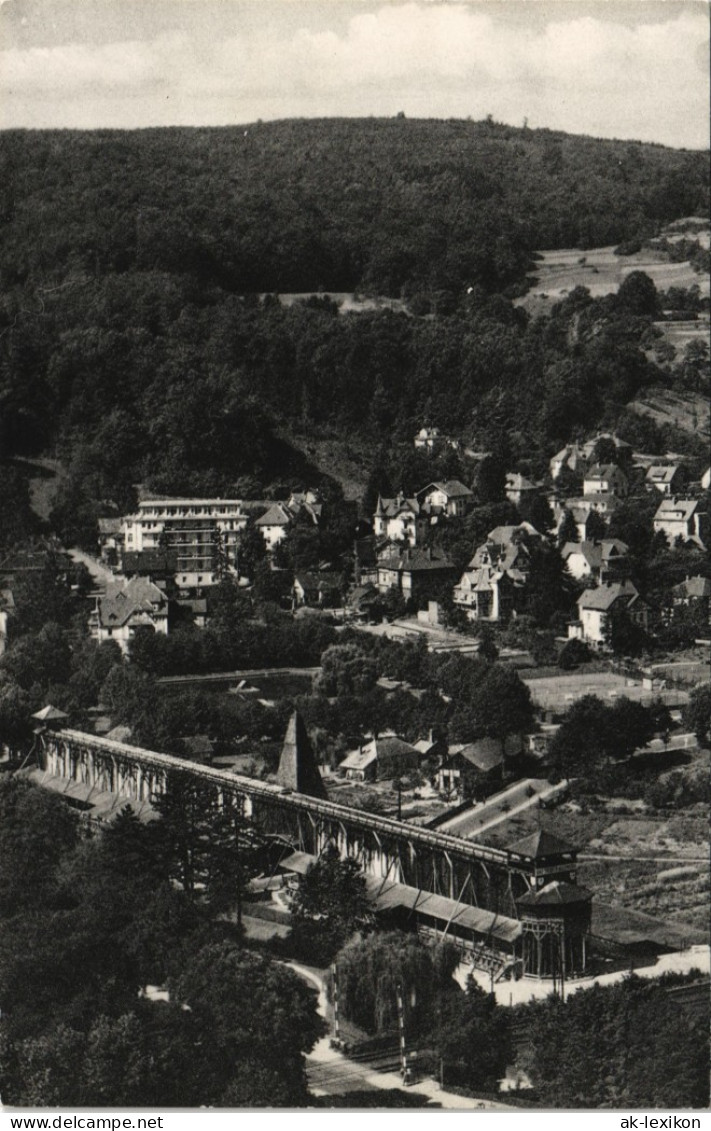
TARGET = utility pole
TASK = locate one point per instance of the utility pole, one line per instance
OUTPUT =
(336, 1020)
(404, 1067)
(397, 786)
(238, 869)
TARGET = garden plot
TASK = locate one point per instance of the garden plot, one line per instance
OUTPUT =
(655, 864)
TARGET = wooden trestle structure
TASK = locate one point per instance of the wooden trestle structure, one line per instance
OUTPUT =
(392, 851)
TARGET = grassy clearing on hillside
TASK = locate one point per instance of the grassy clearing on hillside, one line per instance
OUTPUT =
(558, 272)
(348, 460)
(347, 302)
(679, 334)
(686, 411)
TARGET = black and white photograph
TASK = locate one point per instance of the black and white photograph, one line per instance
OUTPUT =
(355, 597)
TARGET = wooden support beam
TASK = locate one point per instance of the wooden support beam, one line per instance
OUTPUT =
(456, 907)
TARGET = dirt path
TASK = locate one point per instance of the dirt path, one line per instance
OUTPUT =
(624, 859)
(100, 573)
(330, 1072)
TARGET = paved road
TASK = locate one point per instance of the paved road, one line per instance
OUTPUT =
(494, 812)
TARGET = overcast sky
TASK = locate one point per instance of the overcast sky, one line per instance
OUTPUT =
(629, 69)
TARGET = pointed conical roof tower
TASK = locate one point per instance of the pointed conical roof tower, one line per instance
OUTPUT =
(297, 765)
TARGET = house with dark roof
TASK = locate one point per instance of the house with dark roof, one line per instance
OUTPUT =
(126, 607)
(429, 440)
(493, 584)
(519, 489)
(692, 589)
(600, 561)
(450, 499)
(110, 539)
(477, 770)
(274, 524)
(692, 594)
(318, 590)
(570, 458)
(382, 758)
(363, 599)
(413, 572)
(595, 607)
(156, 563)
(606, 479)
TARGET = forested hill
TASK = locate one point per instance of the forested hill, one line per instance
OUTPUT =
(135, 347)
(387, 205)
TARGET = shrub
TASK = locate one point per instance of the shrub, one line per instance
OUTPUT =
(572, 654)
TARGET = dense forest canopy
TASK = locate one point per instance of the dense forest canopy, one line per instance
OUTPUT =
(335, 204)
(135, 345)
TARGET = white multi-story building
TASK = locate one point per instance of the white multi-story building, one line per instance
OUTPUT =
(202, 535)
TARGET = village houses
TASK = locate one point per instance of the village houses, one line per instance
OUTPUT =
(427, 439)
(578, 457)
(379, 759)
(692, 593)
(126, 608)
(606, 479)
(275, 523)
(668, 479)
(595, 607)
(398, 519)
(317, 590)
(581, 507)
(413, 572)
(597, 561)
(431, 440)
(477, 769)
(686, 519)
(491, 586)
(449, 499)
(520, 490)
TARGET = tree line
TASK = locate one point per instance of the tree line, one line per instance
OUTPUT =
(87, 924)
